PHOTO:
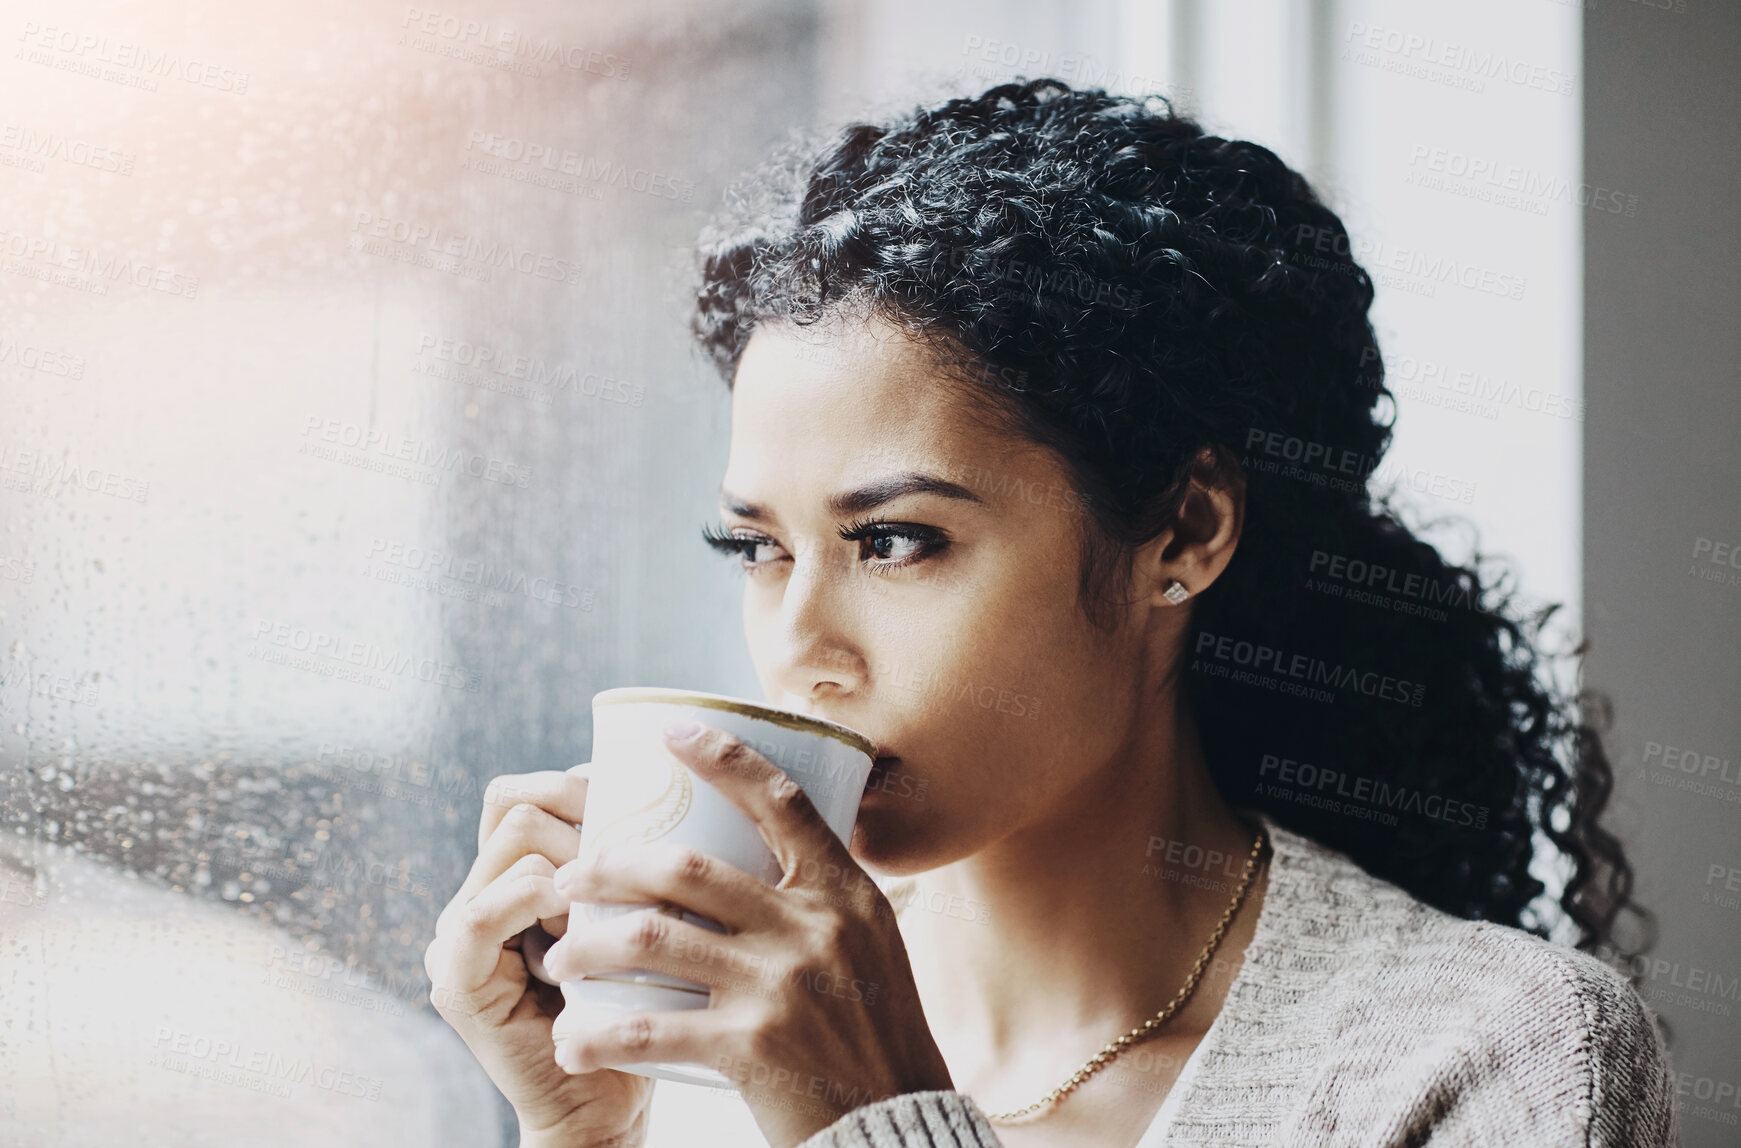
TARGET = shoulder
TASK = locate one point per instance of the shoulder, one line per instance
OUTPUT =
(1561, 1020)
(1495, 1017)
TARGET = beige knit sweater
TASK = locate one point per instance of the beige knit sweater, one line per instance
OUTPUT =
(1362, 1017)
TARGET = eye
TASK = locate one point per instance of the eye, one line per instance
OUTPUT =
(745, 545)
(895, 544)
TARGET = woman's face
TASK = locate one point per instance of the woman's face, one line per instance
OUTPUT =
(946, 628)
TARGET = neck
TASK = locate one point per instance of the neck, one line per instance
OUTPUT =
(1079, 927)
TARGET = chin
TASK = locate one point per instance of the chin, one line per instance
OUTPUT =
(875, 861)
(897, 832)
(890, 841)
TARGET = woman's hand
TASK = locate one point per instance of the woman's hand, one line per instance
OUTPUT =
(813, 1009)
(479, 982)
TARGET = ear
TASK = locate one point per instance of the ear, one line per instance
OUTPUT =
(1200, 543)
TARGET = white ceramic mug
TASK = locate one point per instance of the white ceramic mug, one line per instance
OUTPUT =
(637, 793)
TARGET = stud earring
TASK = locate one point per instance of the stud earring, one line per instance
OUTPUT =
(1174, 591)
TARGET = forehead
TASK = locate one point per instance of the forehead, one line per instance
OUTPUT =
(852, 397)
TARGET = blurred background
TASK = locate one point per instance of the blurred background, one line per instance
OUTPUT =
(351, 438)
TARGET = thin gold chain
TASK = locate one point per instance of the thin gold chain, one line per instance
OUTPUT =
(1113, 1048)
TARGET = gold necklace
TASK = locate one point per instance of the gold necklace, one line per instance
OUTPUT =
(1113, 1048)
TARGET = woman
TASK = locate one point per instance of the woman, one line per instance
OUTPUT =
(1052, 420)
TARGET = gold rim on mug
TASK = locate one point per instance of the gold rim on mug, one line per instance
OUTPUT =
(623, 695)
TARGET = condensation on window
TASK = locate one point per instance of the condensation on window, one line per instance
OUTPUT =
(353, 439)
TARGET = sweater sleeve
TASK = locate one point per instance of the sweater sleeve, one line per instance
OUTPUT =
(1632, 1086)
(1580, 1064)
(911, 1120)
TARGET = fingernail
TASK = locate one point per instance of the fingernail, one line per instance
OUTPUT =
(551, 960)
(565, 876)
(682, 730)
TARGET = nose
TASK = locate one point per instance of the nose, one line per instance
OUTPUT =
(814, 656)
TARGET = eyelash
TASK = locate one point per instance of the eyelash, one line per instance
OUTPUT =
(932, 541)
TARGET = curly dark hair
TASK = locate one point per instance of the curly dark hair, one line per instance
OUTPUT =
(1145, 299)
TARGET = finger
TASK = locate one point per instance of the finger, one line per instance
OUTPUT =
(673, 875)
(525, 829)
(652, 940)
(789, 823)
(476, 930)
(499, 995)
(586, 1043)
(561, 793)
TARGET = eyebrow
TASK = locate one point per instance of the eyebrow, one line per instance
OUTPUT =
(867, 497)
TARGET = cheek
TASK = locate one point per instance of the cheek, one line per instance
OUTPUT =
(1000, 696)
(1007, 697)
(969, 662)
(1051, 697)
